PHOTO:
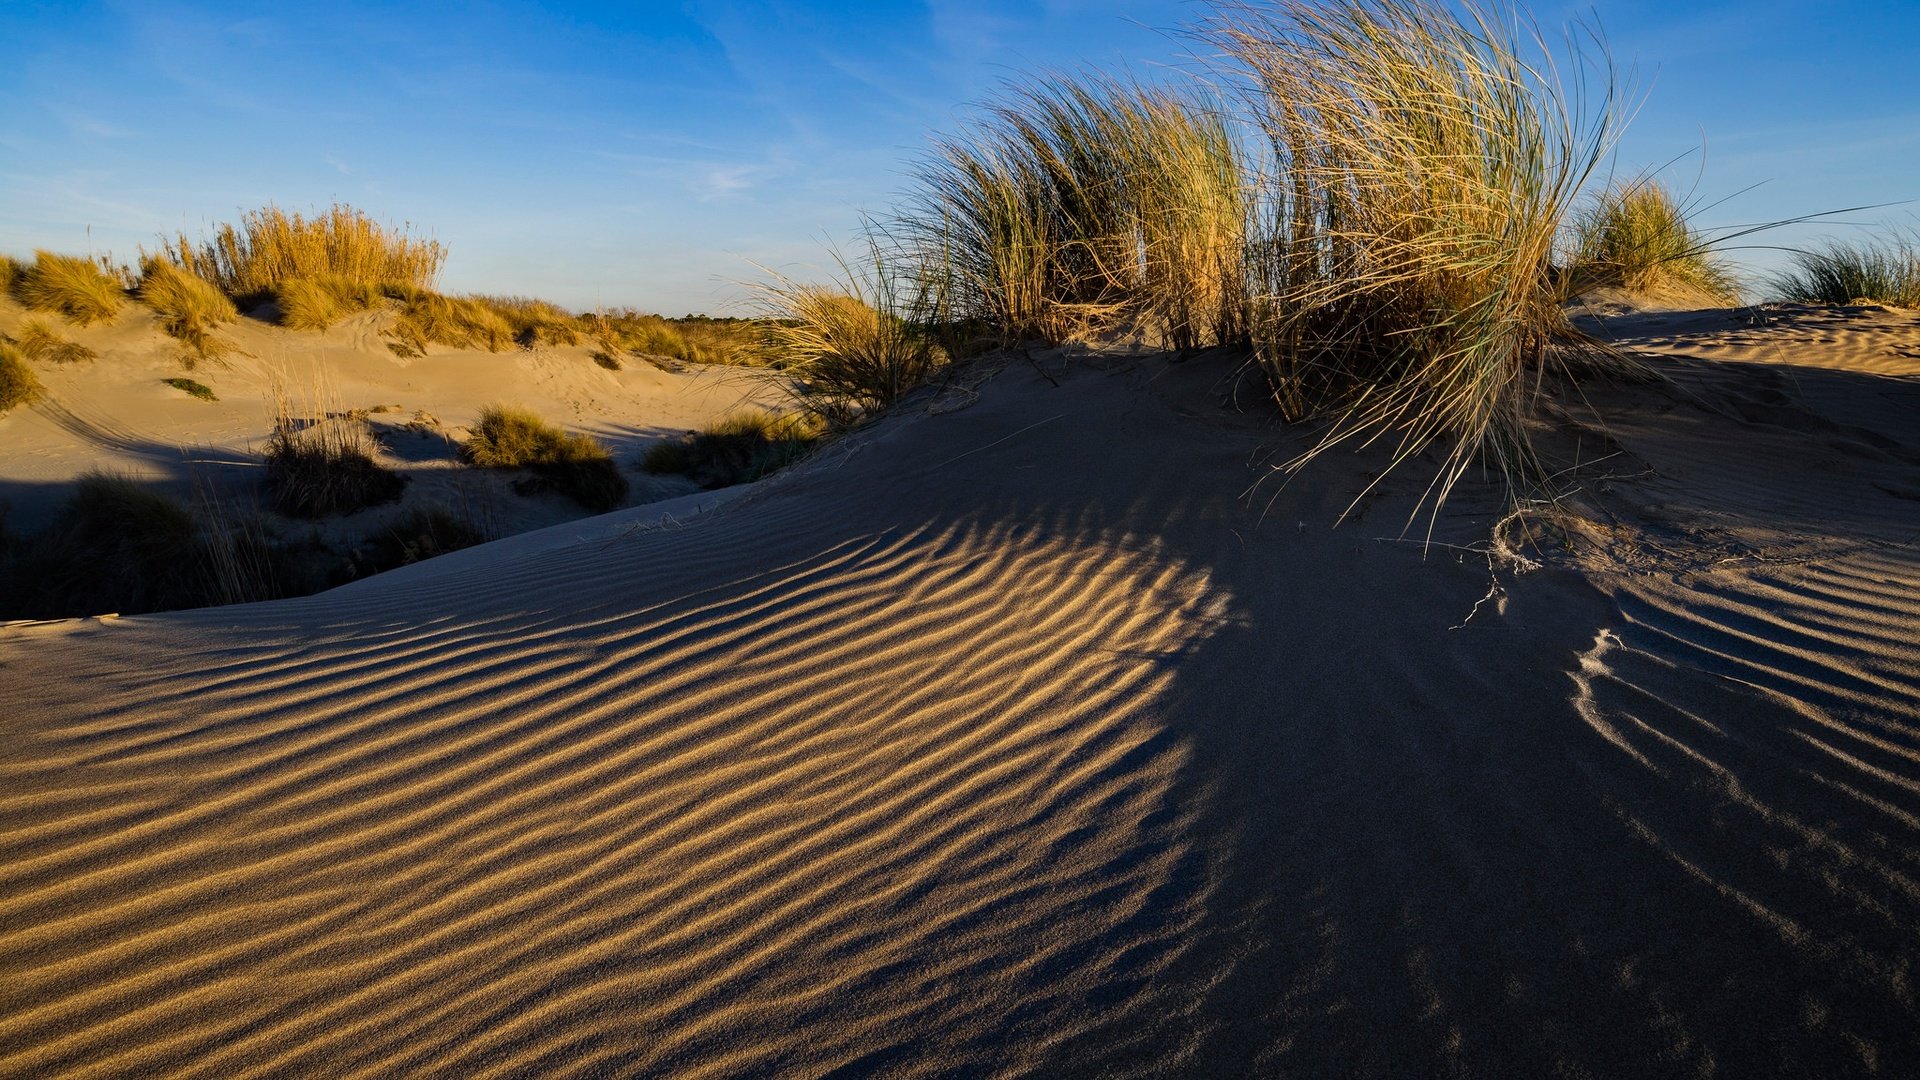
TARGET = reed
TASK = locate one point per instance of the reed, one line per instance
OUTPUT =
(271, 246)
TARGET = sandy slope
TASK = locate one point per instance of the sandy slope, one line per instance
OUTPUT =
(1015, 735)
(116, 414)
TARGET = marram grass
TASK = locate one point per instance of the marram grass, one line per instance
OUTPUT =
(271, 246)
(18, 384)
(71, 286)
(1881, 271)
(1636, 235)
(38, 340)
(190, 308)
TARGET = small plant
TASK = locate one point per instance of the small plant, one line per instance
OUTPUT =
(18, 385)
(575, 465)
(421, 534)
(1637, 235)
(195, 389)
(325, 465)
(189, 307)
(736, 449)
(38, 340)
(74, 287)
(1885, 271)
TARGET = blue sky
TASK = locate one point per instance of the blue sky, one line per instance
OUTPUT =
(648, 154)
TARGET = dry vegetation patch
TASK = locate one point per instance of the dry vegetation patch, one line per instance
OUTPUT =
(18, 384)
(575, 465)
(736, 449)
(38, 340)
(74, 287)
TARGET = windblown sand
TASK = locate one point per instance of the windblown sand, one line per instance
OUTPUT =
(1038, 729)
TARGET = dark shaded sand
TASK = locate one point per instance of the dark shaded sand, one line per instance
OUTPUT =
(1014, 736)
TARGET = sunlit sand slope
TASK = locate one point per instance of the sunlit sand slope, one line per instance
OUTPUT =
(1015, 737)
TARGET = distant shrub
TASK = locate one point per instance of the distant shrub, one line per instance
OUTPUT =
(196, 389)
(695, 339)
(326, 467)
(416, 536)
(575, 465)
(533, 322)
(40, 341)
(190, 308)
(1884, 271)
(116, 547)
(736, 449)
(1637, 235)
(18, 385)
(271, 246)
(75, 287)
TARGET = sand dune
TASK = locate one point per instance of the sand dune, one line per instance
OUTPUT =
(1041, 735)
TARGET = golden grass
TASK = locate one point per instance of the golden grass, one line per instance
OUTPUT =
(533, 322)
(859, 343)
(271, 246)
(574, 464)
(70, 285)
(10, 271)
(1426, 159)
(38, 340)
(189, 307)
(1076, 207)
(1636, 235)
(320, 460)
(18, 384)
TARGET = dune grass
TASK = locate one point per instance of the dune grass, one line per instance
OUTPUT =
(1636, 235)
(416, 536)
(74, 287)
(38, 340)
(193, 388)
(115, 547)
(1075, 207)
(1880, 271)
(574, 464)
(18, 384)
(532, 323)
(190, 308)
(1427, 157)
(736, 449)
(270, 246)
(11, 270)
(320, 461)
(862, 342)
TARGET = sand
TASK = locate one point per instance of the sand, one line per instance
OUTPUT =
(116, 414)
(1037, 729)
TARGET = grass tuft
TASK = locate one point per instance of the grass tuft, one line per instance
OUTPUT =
(74, 287)
(193, 389)
(40, 341)
(858, 344)
(325, 465)
(1883, 271)
(576, 465)
(1636, 235)
(11, 270)
(18, 384)
(189, 308)
(415, 536)
(116, 547)
(736, 449)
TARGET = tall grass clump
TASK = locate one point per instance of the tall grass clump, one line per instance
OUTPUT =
(1636, 235)
(18, 384)
(70, 285)
(190, 308)
(1075, 207)
(533, 322)
(573, 464)
(861, 342)
(270, 246)
(1425, 157)
(323, 463)
(10, 271)
(1884, 271)
(38, 340)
